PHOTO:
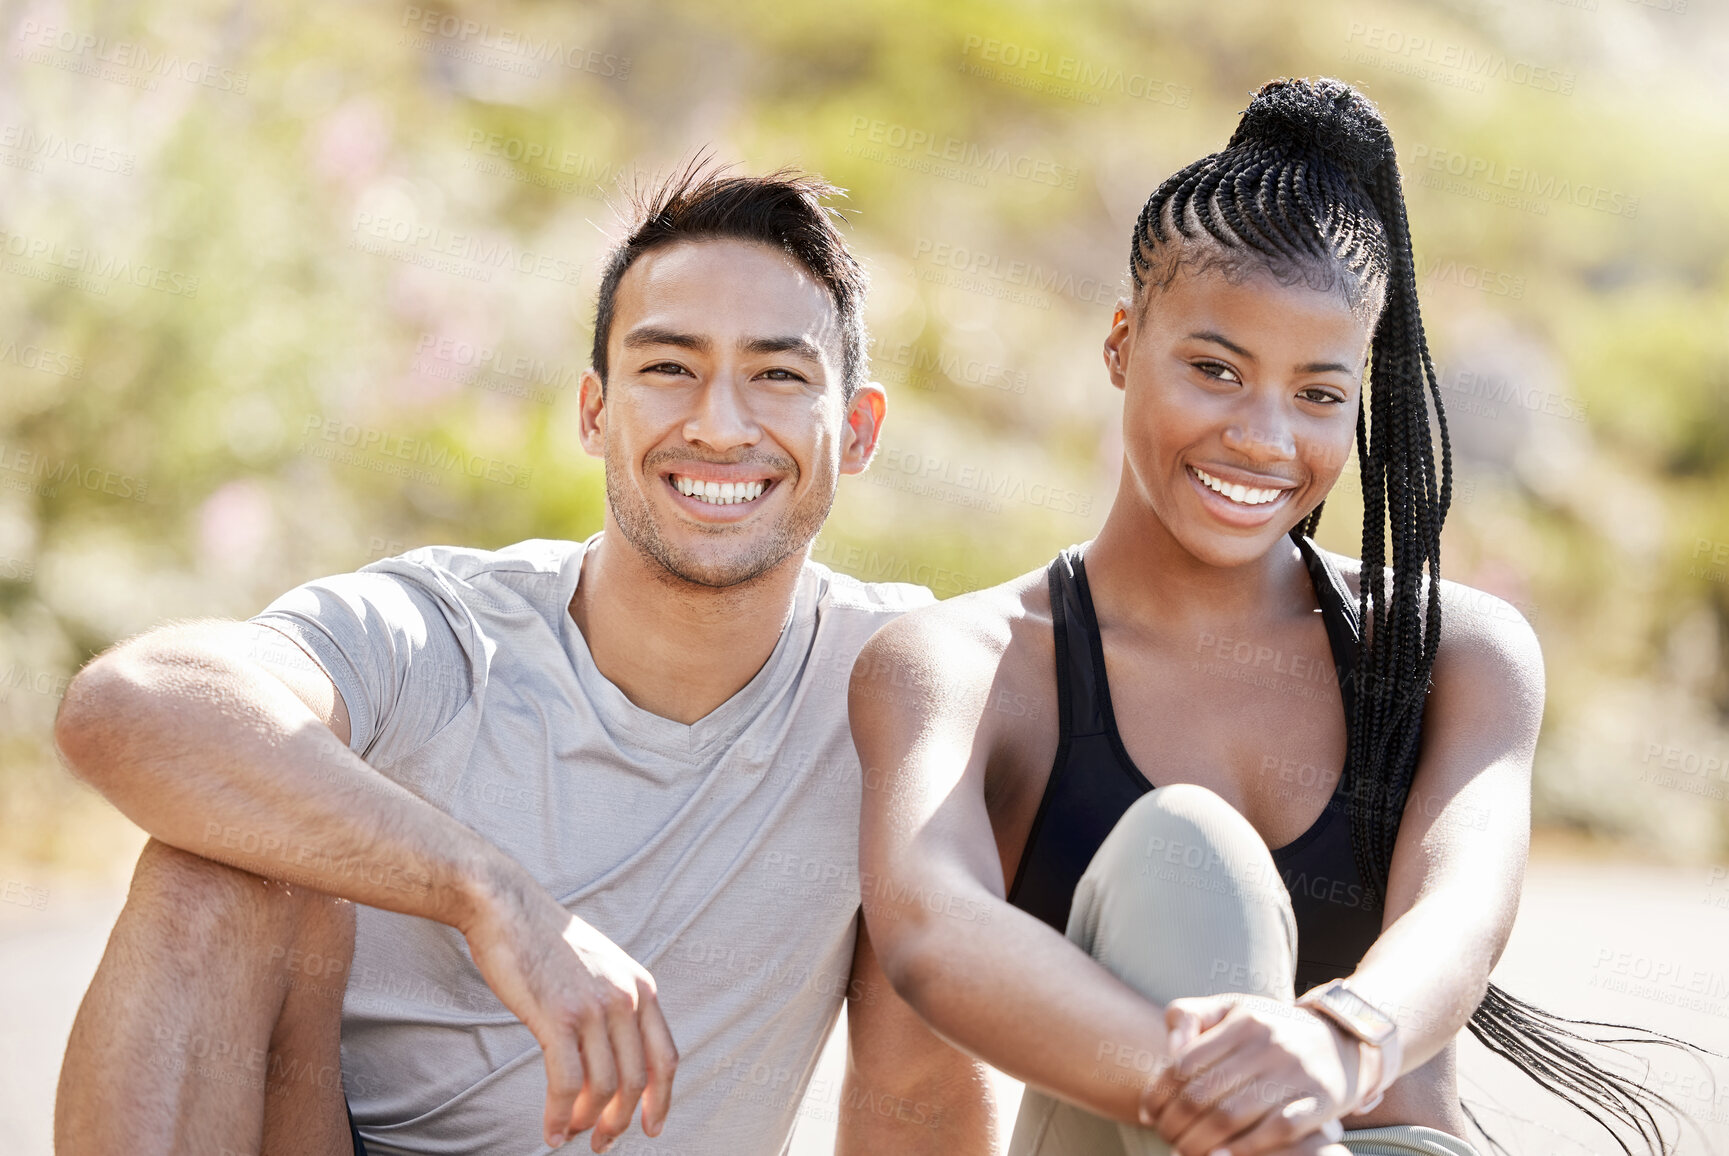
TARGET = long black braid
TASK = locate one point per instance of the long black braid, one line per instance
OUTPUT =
(1307, 189)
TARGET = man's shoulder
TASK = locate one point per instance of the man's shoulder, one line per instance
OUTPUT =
(857, 605)
(528, 558)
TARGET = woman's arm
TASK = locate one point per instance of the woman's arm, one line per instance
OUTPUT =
(1459, 861)
(1457, 868)
(992, 979)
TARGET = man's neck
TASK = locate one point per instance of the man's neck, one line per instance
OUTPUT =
(677, 649)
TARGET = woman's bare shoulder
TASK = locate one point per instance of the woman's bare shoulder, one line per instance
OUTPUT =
(1474, 623)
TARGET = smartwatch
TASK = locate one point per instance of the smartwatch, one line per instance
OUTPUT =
(1377, 1036)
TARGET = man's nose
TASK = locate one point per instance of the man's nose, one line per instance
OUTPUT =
(722, 419)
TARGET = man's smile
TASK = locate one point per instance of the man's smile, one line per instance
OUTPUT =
(720, 493)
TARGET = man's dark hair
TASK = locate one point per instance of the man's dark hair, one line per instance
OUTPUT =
(783, 209)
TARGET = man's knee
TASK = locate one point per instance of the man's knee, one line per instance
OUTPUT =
(209, 909)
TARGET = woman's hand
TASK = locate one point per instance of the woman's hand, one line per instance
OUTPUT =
(1250, 1075)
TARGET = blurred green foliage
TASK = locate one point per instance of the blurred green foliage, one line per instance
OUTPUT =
(240, 237)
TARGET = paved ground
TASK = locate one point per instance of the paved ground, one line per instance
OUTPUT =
(1616, 942)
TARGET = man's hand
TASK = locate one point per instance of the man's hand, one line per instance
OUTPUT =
(592, 1007)
(1249, 1076)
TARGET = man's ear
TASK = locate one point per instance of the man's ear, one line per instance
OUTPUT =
(864, 425)
(1117, 343)
(593, 414)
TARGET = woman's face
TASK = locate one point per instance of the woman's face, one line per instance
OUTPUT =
(1240, 406)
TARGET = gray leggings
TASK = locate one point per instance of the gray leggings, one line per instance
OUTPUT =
(1183, 899)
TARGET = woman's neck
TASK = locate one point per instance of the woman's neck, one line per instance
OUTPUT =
(1138, 568)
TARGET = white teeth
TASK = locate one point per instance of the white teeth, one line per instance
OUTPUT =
(719, 493)
(1246, 495)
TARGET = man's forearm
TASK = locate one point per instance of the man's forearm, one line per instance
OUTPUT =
(210, 753)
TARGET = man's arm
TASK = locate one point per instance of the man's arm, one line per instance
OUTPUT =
(226, 740)
(992, 979)
(906, 1091)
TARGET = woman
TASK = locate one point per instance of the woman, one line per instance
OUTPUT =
(1261, 770)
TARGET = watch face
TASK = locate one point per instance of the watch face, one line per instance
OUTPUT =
(1363, 1018)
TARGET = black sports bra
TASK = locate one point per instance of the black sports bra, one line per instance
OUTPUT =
(1093, 781)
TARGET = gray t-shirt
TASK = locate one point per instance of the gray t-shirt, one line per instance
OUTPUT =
(722, 856)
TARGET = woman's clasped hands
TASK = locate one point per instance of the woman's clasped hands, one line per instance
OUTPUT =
(1247, 1076)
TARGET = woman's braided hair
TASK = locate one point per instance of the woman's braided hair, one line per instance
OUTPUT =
(1307, 190)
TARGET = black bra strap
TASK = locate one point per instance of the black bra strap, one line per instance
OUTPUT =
(1339, 612)
(1077, 691)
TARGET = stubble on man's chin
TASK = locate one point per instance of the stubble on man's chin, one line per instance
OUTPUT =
(680, 569)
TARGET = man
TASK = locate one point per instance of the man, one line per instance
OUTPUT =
(598, 799)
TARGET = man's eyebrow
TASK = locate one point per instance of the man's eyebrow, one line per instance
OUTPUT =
(1311, 367)
(802, 346)
(645, 336)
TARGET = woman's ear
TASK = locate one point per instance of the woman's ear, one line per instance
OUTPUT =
(1117, 344)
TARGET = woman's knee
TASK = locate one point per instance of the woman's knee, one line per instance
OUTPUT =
(1183, 827)
(1183, 898)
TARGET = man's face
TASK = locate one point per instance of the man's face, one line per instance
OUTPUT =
(722, 423)
(1240, 406)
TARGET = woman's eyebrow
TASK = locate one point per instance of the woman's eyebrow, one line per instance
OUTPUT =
(1328, 367)
(1311, 367)
(1221, 339)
